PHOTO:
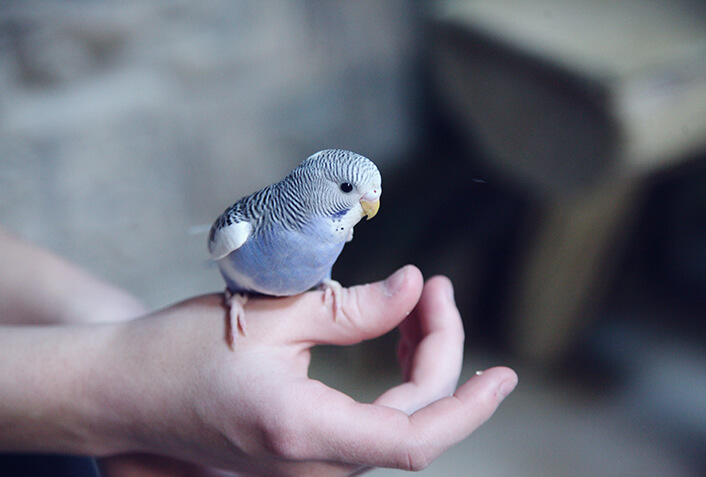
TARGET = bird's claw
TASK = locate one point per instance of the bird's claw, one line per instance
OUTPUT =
(236, 315)
(333, 292)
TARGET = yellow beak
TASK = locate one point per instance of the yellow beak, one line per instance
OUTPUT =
(370, 209)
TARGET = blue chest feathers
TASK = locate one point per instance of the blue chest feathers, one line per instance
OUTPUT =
(281, 262)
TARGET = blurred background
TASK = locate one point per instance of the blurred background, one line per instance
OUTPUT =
(546, 155)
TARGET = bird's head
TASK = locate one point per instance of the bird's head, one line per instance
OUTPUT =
(342, 182)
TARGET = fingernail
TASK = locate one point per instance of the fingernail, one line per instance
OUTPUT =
(505, 389)
(479, 373)
(451, 292)
(394, 282)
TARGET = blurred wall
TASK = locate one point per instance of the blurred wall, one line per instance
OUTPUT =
(123, 124)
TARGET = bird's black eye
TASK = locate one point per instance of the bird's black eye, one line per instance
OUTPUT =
(346, 187)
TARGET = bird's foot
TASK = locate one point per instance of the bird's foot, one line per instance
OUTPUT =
(236, 315)
(333, 292)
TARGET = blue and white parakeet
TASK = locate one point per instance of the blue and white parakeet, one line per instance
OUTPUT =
(284, 239)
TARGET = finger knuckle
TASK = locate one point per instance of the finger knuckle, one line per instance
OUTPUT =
(415, 457)
(282, 439)
(351, 309)
(417, 451)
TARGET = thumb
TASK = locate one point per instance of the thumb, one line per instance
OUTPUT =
(367, 311)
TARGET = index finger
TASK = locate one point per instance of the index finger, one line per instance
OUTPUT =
(367, 311)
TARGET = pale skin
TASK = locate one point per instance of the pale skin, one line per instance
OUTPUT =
(141, 391)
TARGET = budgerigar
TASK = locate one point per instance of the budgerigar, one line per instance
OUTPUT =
(285, 238)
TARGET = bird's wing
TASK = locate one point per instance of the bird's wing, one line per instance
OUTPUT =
(227, 237)
(234, 226)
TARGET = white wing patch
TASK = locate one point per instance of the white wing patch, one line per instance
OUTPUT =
(229, 238)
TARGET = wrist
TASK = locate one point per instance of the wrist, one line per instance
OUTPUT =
(46, 402)
(141, 388)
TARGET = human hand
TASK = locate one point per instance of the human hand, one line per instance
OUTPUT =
(177, 390)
